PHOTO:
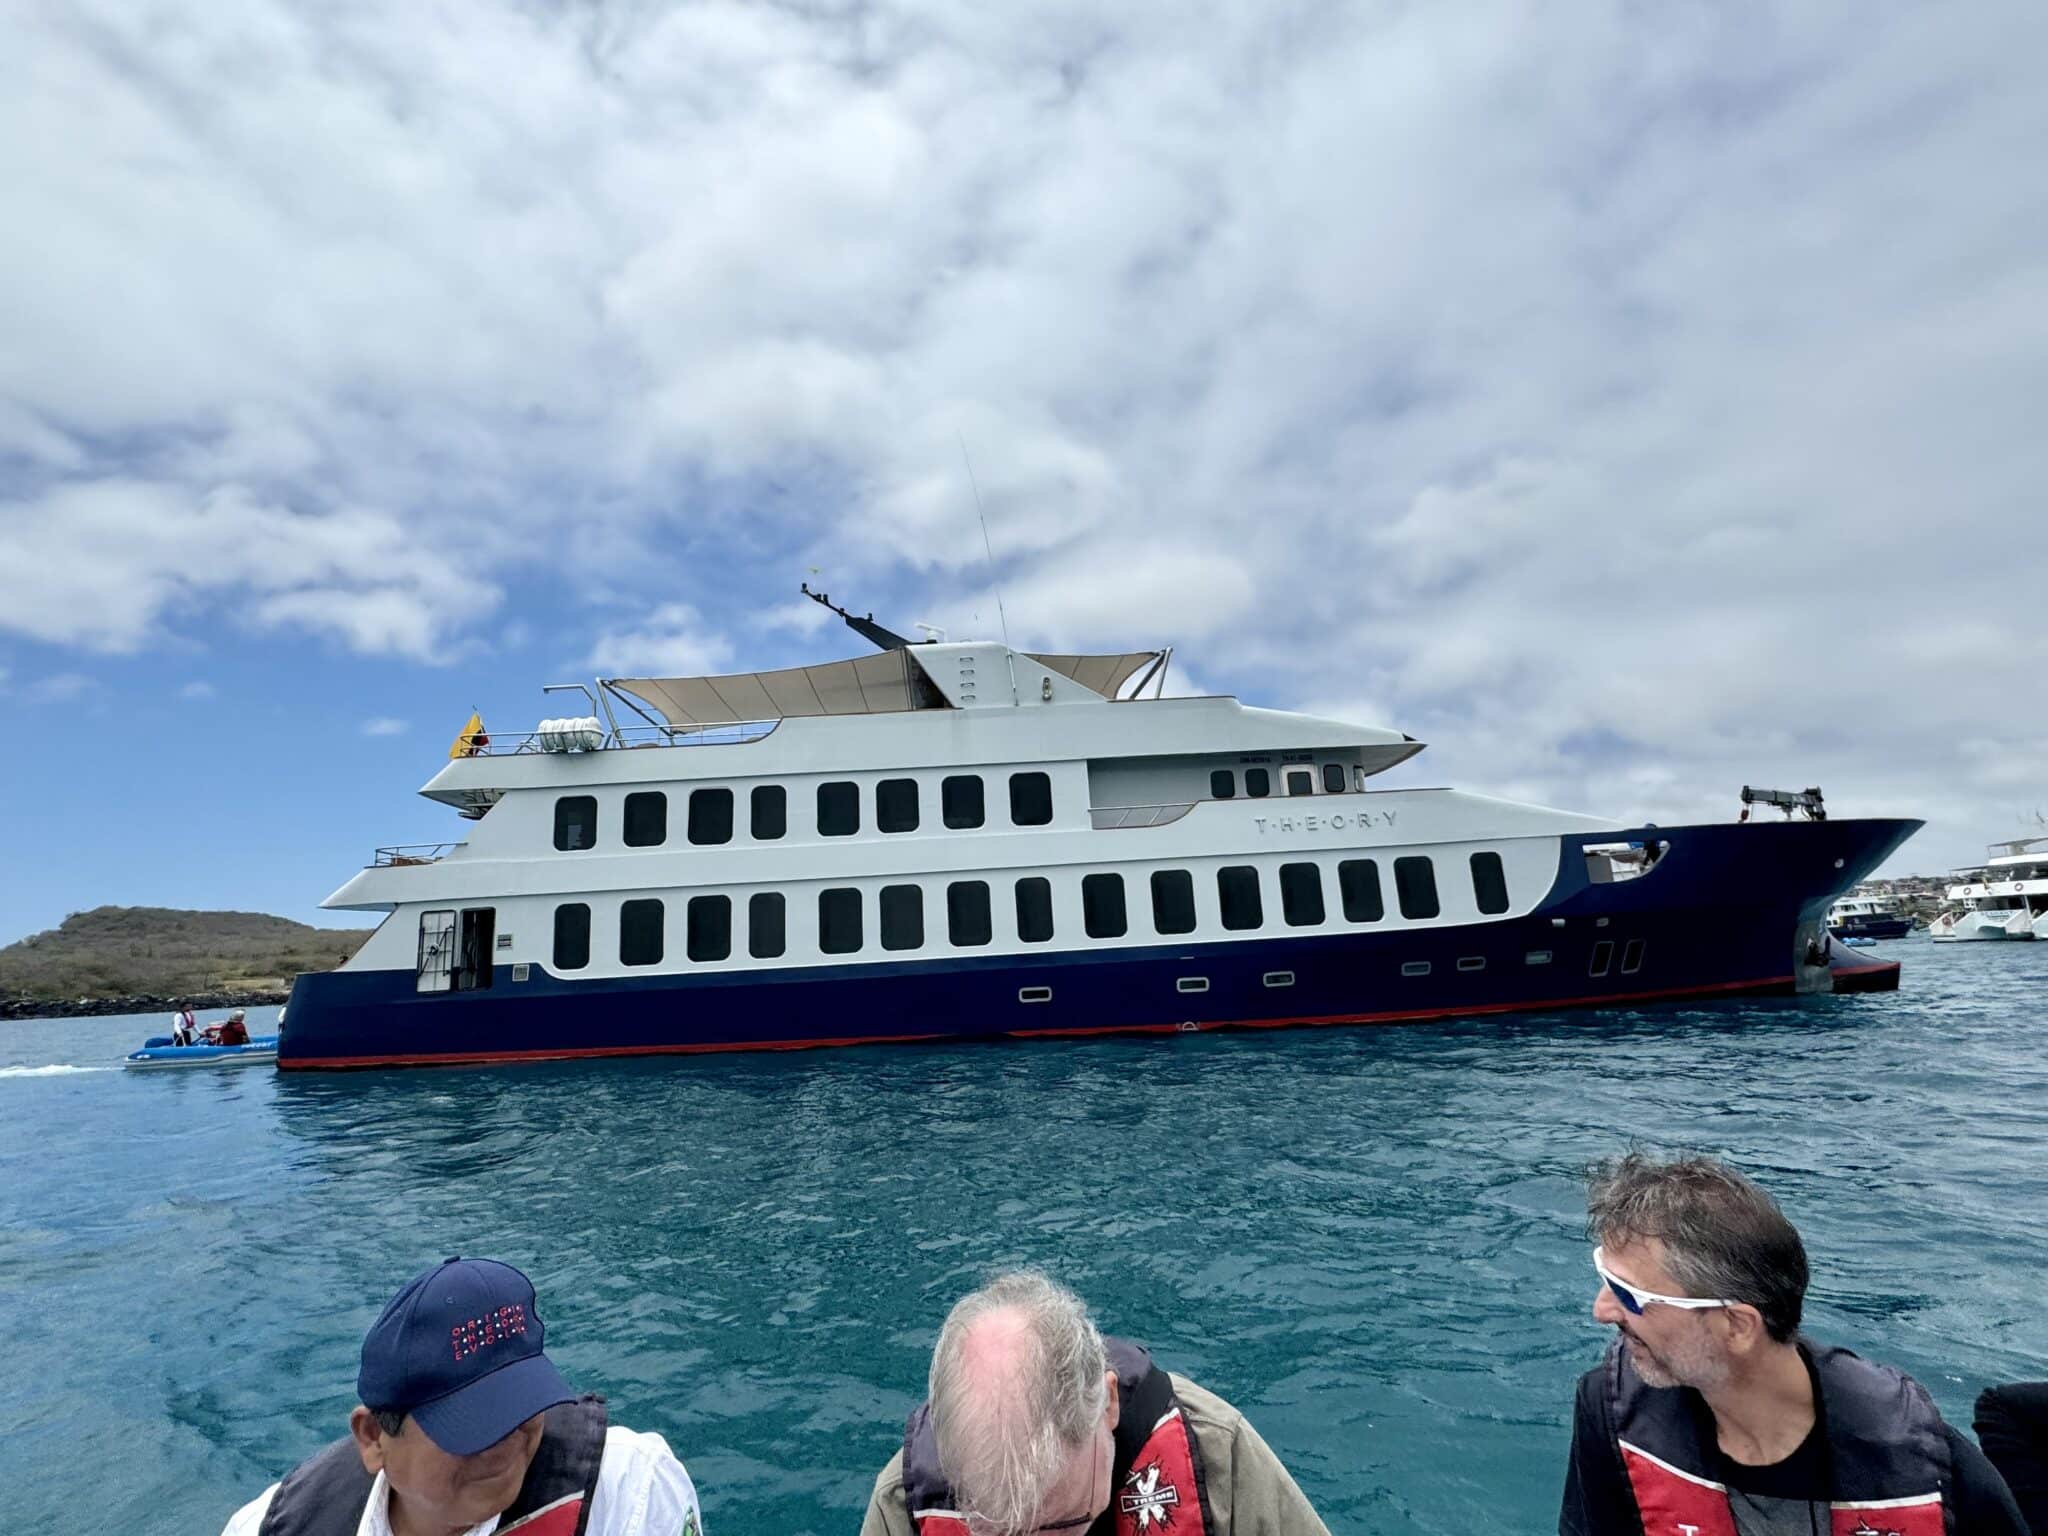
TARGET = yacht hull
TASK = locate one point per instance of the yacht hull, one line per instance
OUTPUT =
(1728, 910)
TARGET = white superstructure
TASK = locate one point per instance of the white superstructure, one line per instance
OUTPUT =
(2005, 897)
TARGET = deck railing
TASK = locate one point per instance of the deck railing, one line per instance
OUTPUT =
(400, 854)
(639, 736)
(1112, 818)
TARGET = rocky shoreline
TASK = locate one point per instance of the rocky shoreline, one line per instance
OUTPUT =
(95, 1007)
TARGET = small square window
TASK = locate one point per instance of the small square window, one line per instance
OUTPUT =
(1034, 910)
(1301, 895)
(640, 936)
(710, 816)
(572, 936)
(1030, 799)
(769, 810)
(838, 809)
(1489, 883)
(1358, 882)
(710, 928)
(1414, 967)
(767, 925)
(575, 822)
(1300, 782)
(1258, 783)
(1173, 901)
(1222, 784)
(1237, 896)
(902, 917)
(960, 801)
(646, 824)
(1415, 883)
(896, 805)
(1102, 906)
(839, 921)
(1603, 958)
(968, 923)
(1333, 778)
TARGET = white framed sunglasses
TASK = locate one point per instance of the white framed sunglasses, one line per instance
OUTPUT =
(1634, 1298)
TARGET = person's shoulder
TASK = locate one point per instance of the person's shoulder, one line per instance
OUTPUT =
(248, 1520)
(1200, 1406)
(641, 1486)
(889, 1481)
(888, 1512)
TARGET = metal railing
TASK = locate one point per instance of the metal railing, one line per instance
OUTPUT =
(400, 854)
(638, 736)
(1111, 818)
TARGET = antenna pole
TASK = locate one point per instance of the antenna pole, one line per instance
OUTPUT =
(986, 548)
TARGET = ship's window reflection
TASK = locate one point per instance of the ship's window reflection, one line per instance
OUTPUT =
(1030, 799)
(1102, 906)
(960, 801)
(576, 822)
(1415, 883)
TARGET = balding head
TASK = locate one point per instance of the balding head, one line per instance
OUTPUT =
(1018, 1385)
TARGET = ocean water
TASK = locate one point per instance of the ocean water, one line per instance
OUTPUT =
(1368, 1239)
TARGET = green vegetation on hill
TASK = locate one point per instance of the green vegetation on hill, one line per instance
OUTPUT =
(161, 951)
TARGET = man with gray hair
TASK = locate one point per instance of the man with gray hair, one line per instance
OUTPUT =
(1038, 1426)
(1712, 1415)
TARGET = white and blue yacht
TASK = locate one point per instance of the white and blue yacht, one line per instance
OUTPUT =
(943, 840)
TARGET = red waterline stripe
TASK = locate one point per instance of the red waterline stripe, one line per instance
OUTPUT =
(1397, 1016)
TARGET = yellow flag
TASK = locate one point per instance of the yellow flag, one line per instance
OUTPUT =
(472, 740)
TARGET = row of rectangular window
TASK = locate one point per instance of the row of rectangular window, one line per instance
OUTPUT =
(969, 922)
(1258, 782)
(897, 809)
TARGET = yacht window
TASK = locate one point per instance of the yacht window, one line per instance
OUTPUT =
(1030, 799)
(1415, 883)
(710, 816)
(1173, 901)
(960, 802)
(1333, 778)
(1222, 784)
(640, 932)
(1489, 882)
(572, 935)
(646, 819)
(474, 961)
(902, 917)
(767, 925)
(839, 920)
(769, 805)
(1258, 783)
(838, 809)
(1301, 894)
(1237, 894)
(1603, 958)
(1358, 881)
(968, 923)
(436, 951)
(896, 805)
(1358, 777)
(1102, 906)
(710, 928)
(1034, 909)
(1300, 782)
(576, 822)
(1631, 957)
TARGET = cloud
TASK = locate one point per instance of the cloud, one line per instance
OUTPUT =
(1629, 404)
(61, 687)
(198, 688)
(671, 641)
(384, 725)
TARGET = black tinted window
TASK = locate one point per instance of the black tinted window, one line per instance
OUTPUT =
(1102, 906)
(1358, 880)
(1333, 778)
(1030, 799)
(710, 927)
(838, 809)
(1489, 882)
(1173, 901)
(646, 819)
(967, 915)
(1237, 895)
(1222, 784)
(839, 921)
(770, 805)
(902, 917)
(572, 936)
(896, 805)
(1034, 909)
(1300, 782)
(960, 800)
(1301, 894)
(1415, 884)
(710, 815)
(767, 925)
(640, 933)
(576, 822)
(1258, 783)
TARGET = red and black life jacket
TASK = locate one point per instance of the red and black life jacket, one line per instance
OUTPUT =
(1156, 1481)
(1889, 1472)
(326, 1494)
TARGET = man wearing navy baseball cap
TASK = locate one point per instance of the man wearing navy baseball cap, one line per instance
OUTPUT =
(465, 1428)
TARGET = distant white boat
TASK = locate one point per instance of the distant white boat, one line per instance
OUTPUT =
(2005, 897)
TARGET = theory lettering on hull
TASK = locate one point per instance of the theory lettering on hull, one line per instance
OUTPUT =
(1325, 821)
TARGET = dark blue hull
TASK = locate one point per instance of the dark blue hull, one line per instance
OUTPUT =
(1728, 909)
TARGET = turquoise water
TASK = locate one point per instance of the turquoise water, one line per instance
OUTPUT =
(1368, 1239)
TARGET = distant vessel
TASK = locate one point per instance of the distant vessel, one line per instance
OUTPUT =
(159, 1054)
(2005, 897)
(947, 840)
(1871, 915)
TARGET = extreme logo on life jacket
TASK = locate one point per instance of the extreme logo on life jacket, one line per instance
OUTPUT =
(1148, 1502)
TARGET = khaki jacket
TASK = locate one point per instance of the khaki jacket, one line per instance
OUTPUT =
(1250, 1493)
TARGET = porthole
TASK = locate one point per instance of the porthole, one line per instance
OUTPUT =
(1192, 984)
(1034, 994)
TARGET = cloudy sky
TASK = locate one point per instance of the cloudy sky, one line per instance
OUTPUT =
(1633, 402)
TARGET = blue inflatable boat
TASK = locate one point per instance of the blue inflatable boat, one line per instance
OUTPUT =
(157, 1052)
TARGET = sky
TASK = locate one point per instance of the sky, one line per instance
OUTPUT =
(1633, 402)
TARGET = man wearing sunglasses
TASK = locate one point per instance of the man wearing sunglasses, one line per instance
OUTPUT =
(1038, 1426)
(1712, 1415)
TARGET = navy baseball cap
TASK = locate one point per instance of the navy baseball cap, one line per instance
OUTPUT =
(460, 1350)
